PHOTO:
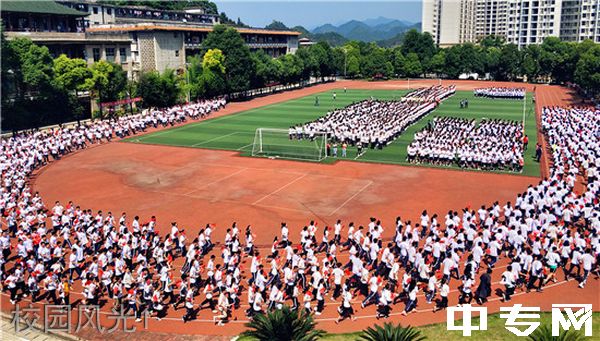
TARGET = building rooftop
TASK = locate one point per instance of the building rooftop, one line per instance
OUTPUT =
(42, 7)
(180, 27)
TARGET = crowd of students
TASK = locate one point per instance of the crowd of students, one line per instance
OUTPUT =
(131, 261)
(500, 92)
(489, 145)
(374, 123)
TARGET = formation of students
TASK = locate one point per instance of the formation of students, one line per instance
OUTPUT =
(489, 145)
(131, 262)
(500, 92)
(374, 123)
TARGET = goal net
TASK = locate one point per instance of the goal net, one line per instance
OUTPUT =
(278, 143)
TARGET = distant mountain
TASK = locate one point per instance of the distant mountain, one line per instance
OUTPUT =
(334, 39)
(375, 30)
(383, 20)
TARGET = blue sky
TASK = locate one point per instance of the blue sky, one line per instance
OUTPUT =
(312, 13)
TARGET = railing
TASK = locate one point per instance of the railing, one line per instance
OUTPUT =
(47, 35)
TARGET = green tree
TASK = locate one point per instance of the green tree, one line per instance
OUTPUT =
(212, 80)
(508, 63)
(70, 73)
(455, 65)
(322, 55)
(438, 62)
(390, 332)
(420, 43)
(587, 73)
(412, 65)
(376, 63)
(309, 63)
(398, 62)
(107, 81)
(472, 58)
(530, 65)
(492, 41)
(291, 68)
(159, 90)
(238, 63)
(31, 67)
(352, 67)
(267, 70)
(284, 325)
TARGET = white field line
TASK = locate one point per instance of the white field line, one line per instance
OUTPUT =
(352, 197)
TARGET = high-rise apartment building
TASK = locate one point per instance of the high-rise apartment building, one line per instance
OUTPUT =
(450, 22)
(522, 22)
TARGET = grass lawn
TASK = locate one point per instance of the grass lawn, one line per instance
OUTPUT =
(496, 330)
(236, 132)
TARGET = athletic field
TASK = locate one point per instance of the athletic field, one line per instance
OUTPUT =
(236, 132)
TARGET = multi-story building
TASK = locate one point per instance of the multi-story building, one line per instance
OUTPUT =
(139, 39)
(166, 46)
(450, 22)
(580, 20)
(521, 22)
(531, 21)
(490, 18)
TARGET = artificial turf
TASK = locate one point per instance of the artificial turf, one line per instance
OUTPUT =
(236, 131)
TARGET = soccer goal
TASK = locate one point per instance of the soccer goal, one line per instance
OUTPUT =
(276, 143)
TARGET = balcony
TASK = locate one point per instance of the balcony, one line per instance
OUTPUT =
(266, 45)
(48, 36)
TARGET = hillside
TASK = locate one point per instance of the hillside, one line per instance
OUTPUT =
(378, 29)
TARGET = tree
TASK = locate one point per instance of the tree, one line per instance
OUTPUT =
(70, 74)
(420, 43)
(284, 325)
(412, 65)
(472, 59)
(398, 62)
(290, 67)
(266, 70)
(322, 55)
(508, 63)
(454, 62)
(438, 62)
(492, 41)
(309, 62)
(159, 90)
(31, 67)
(530, 64)
(238, 64)
(150, 89)
(376, 63)
(339, 57)
(390, 332)
(352, 67)
(587, 73)
(107, 81)
(553, 58)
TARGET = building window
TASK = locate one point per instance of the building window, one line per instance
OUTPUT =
(96, 54)
(176, 53)
(110, 54)
(123, 54)
(95, 9)
(109, 11)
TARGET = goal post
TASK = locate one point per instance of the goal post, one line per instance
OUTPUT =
(277, 143)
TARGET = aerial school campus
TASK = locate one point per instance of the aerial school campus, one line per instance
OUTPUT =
(317, 209)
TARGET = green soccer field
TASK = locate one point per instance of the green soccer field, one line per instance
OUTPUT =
(236, 132)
